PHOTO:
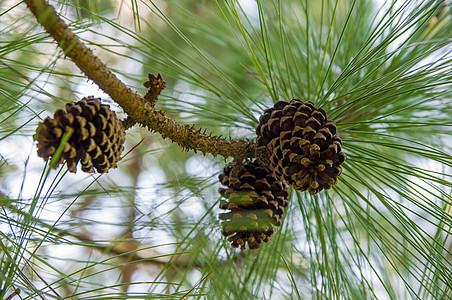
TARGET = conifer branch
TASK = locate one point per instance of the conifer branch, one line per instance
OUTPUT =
(135, 106)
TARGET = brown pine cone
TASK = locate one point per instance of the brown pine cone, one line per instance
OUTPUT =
(256, 199)
(300, 144)
(97, 139)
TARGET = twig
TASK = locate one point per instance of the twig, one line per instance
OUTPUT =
(15, 293)
(188, 293)
(142, 253)
(21, 273)
(155, 84)
(137, 108)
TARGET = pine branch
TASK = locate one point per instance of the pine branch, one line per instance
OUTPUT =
(137, 108)
(129, 249)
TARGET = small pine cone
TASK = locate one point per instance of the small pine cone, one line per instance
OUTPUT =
(155, 84)
(300, 144)
(256, 199)
(97, 139)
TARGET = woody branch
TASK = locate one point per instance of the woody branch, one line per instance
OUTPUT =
(137, 108)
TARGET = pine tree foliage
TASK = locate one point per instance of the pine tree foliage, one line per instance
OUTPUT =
(150, 228)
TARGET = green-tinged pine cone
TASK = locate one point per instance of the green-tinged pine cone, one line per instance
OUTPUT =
(97, 139)
(300, 144)
(256, 200)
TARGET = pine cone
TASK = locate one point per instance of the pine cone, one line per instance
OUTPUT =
(256, 199)
(300, 144)
(97, 139)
